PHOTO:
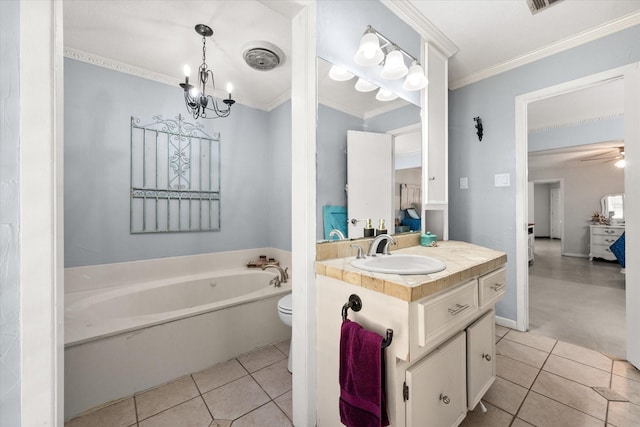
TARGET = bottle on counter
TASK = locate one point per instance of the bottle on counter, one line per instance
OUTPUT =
(368, 229)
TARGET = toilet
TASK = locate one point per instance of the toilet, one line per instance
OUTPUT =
(284, 311)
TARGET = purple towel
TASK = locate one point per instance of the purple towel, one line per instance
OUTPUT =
(362, 394)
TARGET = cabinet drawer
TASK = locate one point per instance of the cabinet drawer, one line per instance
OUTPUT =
(607, 240)
(436, 387)
(491, 287)
(440, 315)
(607, 231)
(600, 251)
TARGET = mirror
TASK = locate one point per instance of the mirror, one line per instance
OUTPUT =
(342, 108)
(612, 207)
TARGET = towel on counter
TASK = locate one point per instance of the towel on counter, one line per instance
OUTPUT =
(618, 249)
(362, 394)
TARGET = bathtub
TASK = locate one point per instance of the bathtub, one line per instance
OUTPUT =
(124, 339)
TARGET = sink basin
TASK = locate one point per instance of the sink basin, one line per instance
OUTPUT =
(400, 264)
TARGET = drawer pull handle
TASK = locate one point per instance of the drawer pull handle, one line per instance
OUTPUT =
(458, 309)
(486, 357)
(445, 399)
(498, 286)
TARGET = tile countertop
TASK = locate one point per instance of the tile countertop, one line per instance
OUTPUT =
(464, 261)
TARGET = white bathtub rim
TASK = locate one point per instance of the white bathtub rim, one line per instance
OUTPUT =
(77, 334)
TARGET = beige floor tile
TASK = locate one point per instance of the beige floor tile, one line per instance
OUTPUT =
(235, 399)
(259, 359)
(501, 330)
(520, 423)
(583, 355)
(274, 379)
(219, 375)
(572, 394)
(164, 397)
(578, 372)
(286, 404)
(516, 372)
(624, 414)
(192, 413)
(609, 394)
(544, 412)
(494, 417)
(505, 395)
(221, 423)
(626, 387)
(522, 353)
(267, 415)
(626, 369)
(283, 346)
(120, 414)
(532, 340)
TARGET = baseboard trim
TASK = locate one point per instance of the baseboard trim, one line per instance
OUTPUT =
(507, 323)
(575, 255)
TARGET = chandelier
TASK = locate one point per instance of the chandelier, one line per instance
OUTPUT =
(198, 103)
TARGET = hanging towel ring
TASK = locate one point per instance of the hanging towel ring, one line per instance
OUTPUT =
(355, 304)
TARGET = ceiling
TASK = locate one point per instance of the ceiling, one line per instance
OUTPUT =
(155, 38)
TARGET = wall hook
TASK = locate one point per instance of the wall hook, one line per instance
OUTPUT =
(478, 121)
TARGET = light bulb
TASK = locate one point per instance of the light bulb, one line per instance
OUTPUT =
(194, 92)
(229, 89)
(365, 86)
(339, 74)
(369, 52)
(187, 70)
(620, 163)
(385, 95)
(394, 66)
(416, 79)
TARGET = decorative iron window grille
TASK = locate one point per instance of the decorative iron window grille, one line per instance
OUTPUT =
(175, 177)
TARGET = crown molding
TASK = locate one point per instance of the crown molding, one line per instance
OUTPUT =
(557, 47)
(279, 101)
(121, 67)
(576, 123)
(406, 11)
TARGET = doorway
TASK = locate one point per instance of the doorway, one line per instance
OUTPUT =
(631, 77)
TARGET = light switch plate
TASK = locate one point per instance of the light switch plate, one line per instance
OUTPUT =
(464, 183)
(502, 180)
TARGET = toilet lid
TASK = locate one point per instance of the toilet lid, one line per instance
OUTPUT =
(284, 305)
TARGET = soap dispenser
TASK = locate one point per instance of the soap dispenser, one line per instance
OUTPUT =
(368, 229)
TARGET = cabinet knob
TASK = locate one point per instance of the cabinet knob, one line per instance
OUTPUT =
(445, 399)
(486, 357)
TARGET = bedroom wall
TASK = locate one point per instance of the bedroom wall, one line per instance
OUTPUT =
(97, 145)
(492, 223)
(584, 186)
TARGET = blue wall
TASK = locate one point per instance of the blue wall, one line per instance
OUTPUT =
(98, 106)
(484, 214)
(10, 213)
(608, 129)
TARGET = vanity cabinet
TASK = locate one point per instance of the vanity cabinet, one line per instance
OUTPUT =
(601, 237)
(436, 386)
(441, 361)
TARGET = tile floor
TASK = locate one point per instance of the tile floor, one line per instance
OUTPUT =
(250, 391)
(545, 382)
(540, 382)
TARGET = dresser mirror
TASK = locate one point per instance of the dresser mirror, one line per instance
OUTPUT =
(612, 206)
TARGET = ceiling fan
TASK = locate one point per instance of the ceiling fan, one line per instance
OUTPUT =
(615, 154)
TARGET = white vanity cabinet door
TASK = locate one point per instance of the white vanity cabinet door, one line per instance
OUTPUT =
(437, 387)
(481, 358)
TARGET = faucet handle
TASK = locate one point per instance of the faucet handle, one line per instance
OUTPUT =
(360, 254)
(286, 273)
(275, 281)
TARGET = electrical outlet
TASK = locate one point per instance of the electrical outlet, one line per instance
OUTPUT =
(464, 183)
(502, 180)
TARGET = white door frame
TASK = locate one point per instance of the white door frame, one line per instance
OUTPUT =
(631, 75)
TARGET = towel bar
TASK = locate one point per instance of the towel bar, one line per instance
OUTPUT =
(355, 304)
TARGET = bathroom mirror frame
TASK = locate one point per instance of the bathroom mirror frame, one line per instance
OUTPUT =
(371, 113)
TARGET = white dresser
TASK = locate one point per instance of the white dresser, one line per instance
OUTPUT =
(601, 237)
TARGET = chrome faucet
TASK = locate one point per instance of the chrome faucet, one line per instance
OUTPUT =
(336, 232)
(376, 242)
(284, 276)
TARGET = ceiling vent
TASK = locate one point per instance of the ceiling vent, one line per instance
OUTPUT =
(536, 6)
(262, 55)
